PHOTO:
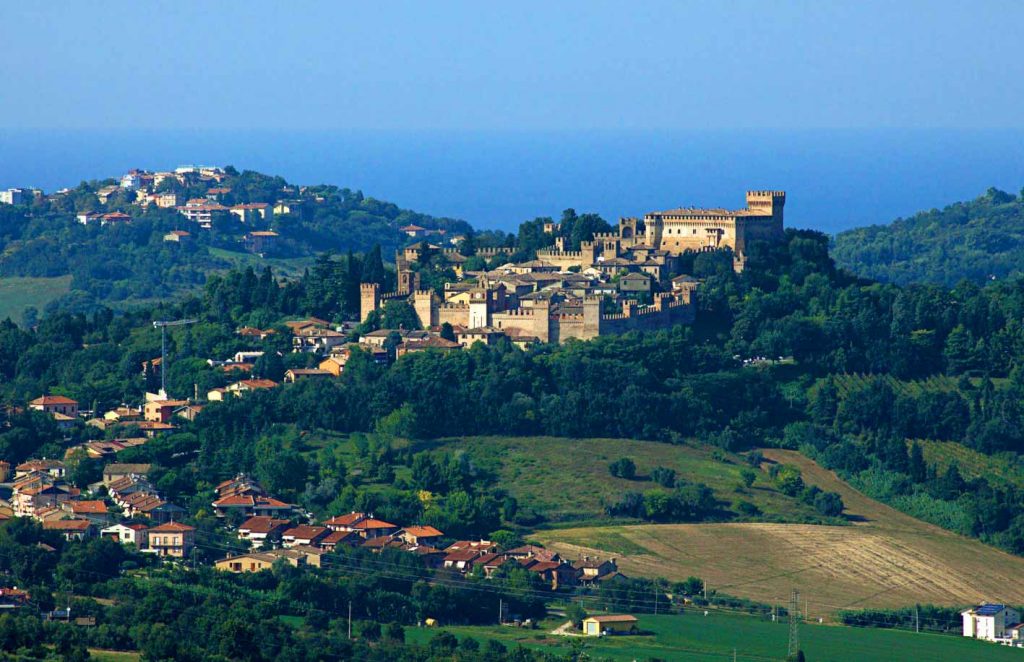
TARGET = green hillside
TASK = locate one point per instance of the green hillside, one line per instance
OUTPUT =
(976, 240)
(17, 294)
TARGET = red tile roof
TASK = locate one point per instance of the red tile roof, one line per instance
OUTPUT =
(422, 531)
(172, 527)
(89, 507)
(67, 525)
(305, 532)
(53, 400)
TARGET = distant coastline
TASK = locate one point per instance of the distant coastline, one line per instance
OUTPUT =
(838, 179)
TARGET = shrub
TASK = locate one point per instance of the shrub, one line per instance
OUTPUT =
(623, 468)
(664, 477)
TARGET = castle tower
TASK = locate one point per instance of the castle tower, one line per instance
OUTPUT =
(426, 309)
(629, 231)
(770, 203)
(369, 299)
(591, 317)
(479, 308)
(408, 281)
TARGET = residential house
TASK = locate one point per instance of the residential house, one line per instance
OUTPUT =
(334, 364)
(482, 546)
(161, 411)
(55, 404)
(88, 217)
(335, 538)
(252, 562)
(188, 412)
(370, 527)
(590, 570)
(105, 192)
(253, 212)
(123, 414)
(116, 471)
(433, 343)
(178, 236)
(52, 468)
(172, 539)
(461, 560)
(420, 535)
(260, 529)
(261, 241)
(5, 471)
(151, 429)
(134, 534)
(304, 534)
(240, 387)
(345, 522)
(201, 212)
(413, 231)
(295, 374)
(534, 552)
(556, 573)
(115, 218)
(252, 505)
(71, 529)
(486, 335)
(596, 626)
(93, 511)
(315, 339)
(13, 598)
(991, 622)
(38, 495)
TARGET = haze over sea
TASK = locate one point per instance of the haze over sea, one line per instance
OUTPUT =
(835, 179)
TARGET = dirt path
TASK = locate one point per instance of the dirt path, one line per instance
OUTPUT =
(885, 559)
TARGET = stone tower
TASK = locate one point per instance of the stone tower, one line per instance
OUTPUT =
(591, 317)
(369, 299)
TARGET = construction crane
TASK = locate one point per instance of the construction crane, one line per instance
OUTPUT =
(162, 325)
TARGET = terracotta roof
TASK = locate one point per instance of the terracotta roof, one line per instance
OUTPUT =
(613, 618)
(337, 537)
(422, 531)
(67, 525)
(305, 532)
(345, 520)
(89, 507)
(262, 524)
(462, 555)
(370, 523)
(53, 400)
(259, 383)
(171, 527)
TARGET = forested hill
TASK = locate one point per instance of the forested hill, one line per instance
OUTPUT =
(43, 241)
(977, 240)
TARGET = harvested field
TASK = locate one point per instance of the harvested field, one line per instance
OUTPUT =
(885, 559)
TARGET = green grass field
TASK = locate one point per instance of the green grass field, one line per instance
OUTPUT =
(567, 480)
(17, 294)
(693, 636)
(290, 267)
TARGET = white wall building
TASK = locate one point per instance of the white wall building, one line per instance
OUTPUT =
(993, 622)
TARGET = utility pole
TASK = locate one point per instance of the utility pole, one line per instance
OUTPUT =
(350, 619)
(500, 609)
(705, 590)
(162, 325)
(917, 620)
(794, 624)
(655, 599)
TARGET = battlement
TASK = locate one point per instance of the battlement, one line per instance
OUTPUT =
(369, 287)
(550, 252)
(766, 194)
(518, 312)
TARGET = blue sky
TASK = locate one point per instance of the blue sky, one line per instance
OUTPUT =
(513, 65)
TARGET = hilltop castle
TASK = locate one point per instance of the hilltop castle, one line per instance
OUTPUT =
(592, 291)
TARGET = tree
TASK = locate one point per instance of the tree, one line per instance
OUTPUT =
(918, 468)
(447, 332)
(748, 477)
(575, 613)
(269, 366)
(623, 468)
(373, 267)
(829, 504)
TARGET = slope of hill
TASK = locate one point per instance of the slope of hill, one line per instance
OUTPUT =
(885, 559)
(976, 240)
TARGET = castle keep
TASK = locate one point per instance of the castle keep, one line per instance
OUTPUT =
(617, 282)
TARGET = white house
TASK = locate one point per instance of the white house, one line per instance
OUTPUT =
(993, 622)
(127, 533)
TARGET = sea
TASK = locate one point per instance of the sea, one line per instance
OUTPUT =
(834, 179)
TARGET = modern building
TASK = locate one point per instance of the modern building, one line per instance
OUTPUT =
(993, 622)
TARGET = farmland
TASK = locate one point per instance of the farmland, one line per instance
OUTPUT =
(693, 636)
(536, 470)
(17, 294)
(885, 559)
(1004, 470)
